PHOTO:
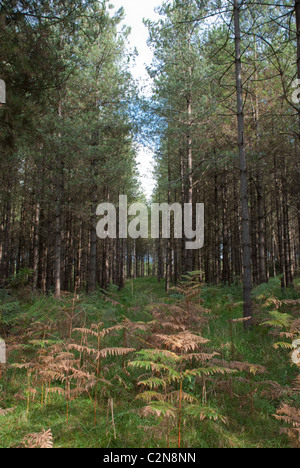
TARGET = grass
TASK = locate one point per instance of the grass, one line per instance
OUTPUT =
(245, 428)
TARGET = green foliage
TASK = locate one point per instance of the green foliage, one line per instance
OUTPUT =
(279, 320)
(9, 312)
(215, 402)
(266, 290)
(20, 279)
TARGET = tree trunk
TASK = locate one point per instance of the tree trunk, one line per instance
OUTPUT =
(297, 11)
(261, 228)
(169, 248)
(36, 246)
(225, 216)
(243, 168)
(189, 253)
(58, 214)
(93, 235)
(58, 229)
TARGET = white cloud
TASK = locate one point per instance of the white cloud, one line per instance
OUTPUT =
(135, 12)
(145, 166)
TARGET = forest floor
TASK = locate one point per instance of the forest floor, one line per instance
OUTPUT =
(81, 380)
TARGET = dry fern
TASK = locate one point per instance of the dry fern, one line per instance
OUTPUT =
(275, 391)
(115, 352)
(42, 440)
(291, 417)
(241, 366)
(184, 342)
(5, 412)
(296, 384)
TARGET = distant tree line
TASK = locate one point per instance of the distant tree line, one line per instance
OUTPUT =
(222, 119)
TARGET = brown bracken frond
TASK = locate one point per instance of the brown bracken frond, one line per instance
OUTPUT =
(4, 412)
(42, 440)
(291, 417)
(184, 342)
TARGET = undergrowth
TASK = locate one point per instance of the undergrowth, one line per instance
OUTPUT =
(136, 368)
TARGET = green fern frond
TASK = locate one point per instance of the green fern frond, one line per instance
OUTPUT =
(278, 320)
(150, 396)
(283, 346)
(158, 409)
(204, 413)
(153, 382)
(207, 371)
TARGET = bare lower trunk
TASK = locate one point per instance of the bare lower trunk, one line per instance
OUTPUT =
(58, 215)
(182, 174)
(261, 228)
(226, 263)
(58, 228)
(169, 248)
(189, 254)
(6, 240)
(243, 168)
(36, 246)
(93, 250)
(297, 11)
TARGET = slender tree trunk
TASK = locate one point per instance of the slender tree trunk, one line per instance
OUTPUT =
(36, 245)
(279, 226)
(169, 248)
(297, 12)
(261, 228)
(50, 254)
(253, 229)
(6, 239)
(189, 253)
(58, 216)
(216, 269)
(134, 260)
(182, 175)
(236, 237)
(226, 265)
(286, 235)
(93, 234)
(243, 168)
(259, 189)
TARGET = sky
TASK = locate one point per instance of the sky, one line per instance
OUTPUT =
(136, 11)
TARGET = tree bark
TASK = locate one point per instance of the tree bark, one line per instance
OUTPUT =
(189, 253)
(58, 215)
(261, 228)
(93, 233)
(226, 264)
(247, 281)
(36, 245)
